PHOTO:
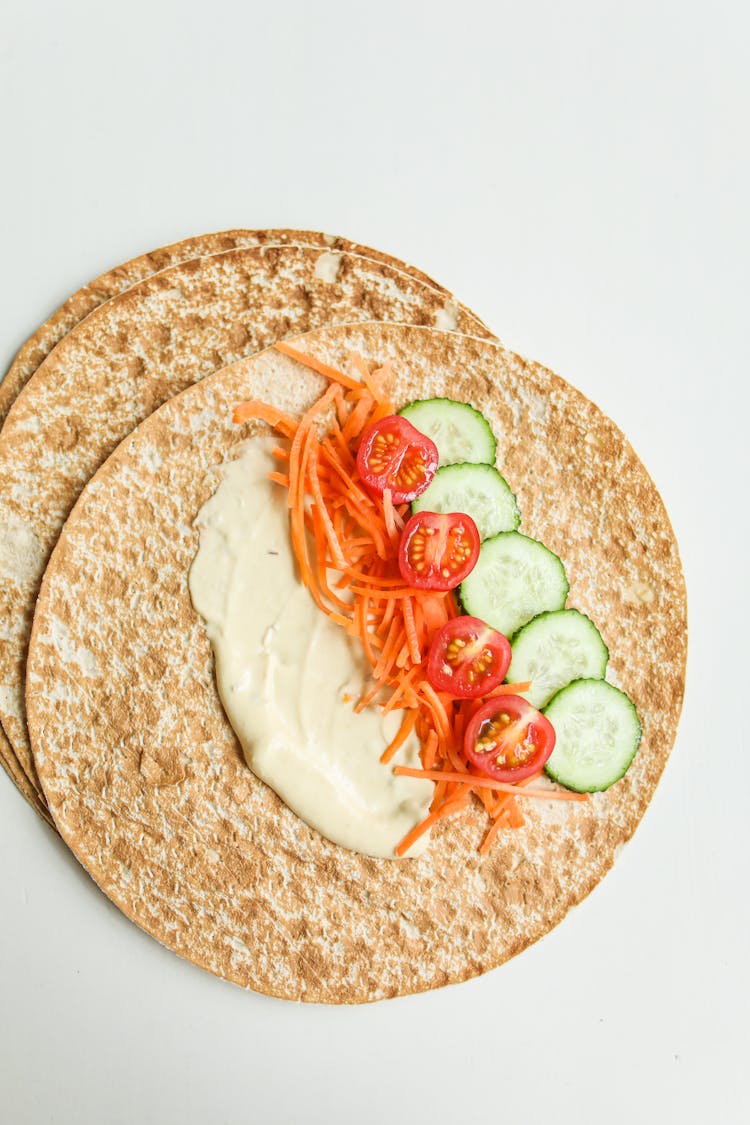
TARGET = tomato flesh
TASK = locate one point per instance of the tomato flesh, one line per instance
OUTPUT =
(508, 739)
(438, 549)
(393, 454)
(467, 658)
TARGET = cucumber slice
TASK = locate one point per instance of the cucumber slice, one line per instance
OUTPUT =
(515, 578)
(459, 431)
(553, 650)
(598, 732)
(477, 490)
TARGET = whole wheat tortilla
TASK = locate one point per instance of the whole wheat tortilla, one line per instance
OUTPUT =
(147, 783)
(130, 355)
(108, 285)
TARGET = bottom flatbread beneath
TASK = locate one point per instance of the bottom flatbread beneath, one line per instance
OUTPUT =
(143, 774)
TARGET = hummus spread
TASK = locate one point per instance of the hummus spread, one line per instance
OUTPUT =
(288, 677)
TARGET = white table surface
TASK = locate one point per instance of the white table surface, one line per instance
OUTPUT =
(577, 174)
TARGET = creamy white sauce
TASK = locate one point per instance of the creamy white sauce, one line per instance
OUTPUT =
(288, 677)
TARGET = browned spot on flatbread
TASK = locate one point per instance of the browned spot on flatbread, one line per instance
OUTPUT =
(269, 903)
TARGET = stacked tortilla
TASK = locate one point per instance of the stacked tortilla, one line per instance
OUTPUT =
(117, 412)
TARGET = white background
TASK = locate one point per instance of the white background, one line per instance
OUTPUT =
(578, 174)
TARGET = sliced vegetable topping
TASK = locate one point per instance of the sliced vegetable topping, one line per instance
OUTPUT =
(478, 490)
(508, 739)
(437, 551)
(515, 579)
(554, 649)
(350, 466)
(394, 455)
(598, 733)
(467, 658)
(459, 431)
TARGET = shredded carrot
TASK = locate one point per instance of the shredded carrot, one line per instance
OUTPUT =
(371, 381)
(345, 541)
(279, 478)
(429, 750)
(394, 525)
(358, 418)
(488, 840)
(265, 413)
(407, 726)
(447, 809)
(411, 632)
(316, 365)
(508, 689)
(475, 781)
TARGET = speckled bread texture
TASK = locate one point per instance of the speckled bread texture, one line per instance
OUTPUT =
(37, 347)
(130, 355)
(147, 783)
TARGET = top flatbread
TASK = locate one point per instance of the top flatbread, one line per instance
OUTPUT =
(129, 356)
(144, 776)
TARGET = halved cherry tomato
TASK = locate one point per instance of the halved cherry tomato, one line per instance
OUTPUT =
(467, 658)
(508, 739)
(438, 550)
(393, 454)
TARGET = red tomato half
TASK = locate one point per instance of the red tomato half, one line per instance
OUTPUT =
(508, 739)
(467, 658)
(437, 550)
(393, 454)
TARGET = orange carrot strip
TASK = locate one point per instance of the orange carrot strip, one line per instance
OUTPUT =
(424, 826)
(455, 758)
(509, 689)
(411, 632)
(435, 610)
(390, 644)
(489, 839)
(403, 691)
(429, 750)
(316, 365)
(407, 726)
(280, 453)
(321, 563)
(376, 582)
(342, 411)
(437, 708)
(514, 814)
(388, 513)
(296, 458)
(383, 594)
(244, 411)
(370, 382)
(336, 553)
(364, 631)
(489, 783)
(336, 441)
(357, 420)
(279, 478)
(390, 652)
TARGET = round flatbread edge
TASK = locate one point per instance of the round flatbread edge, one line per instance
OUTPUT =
(176, 830)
